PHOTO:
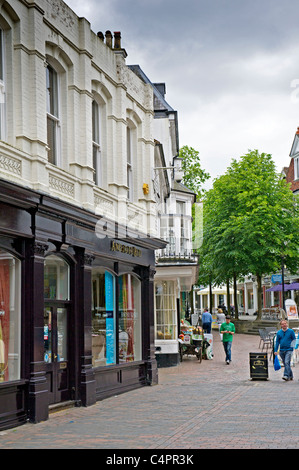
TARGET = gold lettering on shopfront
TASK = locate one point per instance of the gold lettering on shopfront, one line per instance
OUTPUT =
(128, 250)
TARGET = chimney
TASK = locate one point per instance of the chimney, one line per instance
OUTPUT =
(117, 40)
(100, 35)
(108, 38)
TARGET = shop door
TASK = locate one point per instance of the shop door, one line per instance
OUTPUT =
(56, 355)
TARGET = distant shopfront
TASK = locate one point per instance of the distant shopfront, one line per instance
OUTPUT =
(76, 310)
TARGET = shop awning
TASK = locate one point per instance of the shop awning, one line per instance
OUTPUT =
(216, 290)
(278, 287)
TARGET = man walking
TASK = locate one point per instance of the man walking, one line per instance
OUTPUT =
(228, 331)
(206, 321)
(285, 340)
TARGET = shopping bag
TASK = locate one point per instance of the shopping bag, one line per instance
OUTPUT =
(276, 363)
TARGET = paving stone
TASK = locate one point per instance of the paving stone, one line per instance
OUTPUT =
(208, 405)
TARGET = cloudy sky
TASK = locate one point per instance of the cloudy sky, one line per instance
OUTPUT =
(231, 68)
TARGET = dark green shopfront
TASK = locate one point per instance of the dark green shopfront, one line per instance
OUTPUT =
(76, 309)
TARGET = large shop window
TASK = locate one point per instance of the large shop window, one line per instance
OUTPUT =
(165, 310)
(103, 318)
(104, 329)
(10, 317)
(129, 319)
(56, 278)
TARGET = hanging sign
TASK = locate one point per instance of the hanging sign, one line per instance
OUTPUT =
(276, 278)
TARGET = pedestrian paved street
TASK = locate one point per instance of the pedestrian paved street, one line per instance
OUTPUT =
(195, 406)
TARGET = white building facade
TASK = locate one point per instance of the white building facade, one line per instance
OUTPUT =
(176, 265)
(78, 228)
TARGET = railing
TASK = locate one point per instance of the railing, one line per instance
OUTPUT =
(167, 255)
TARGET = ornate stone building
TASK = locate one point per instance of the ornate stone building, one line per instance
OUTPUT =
(77, 214)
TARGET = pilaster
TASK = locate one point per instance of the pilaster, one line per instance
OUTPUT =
(38, 388)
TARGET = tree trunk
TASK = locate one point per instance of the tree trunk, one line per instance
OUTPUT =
(211, 298)
(228, 296)
(259, 296)
(191, 299)
(236, 297)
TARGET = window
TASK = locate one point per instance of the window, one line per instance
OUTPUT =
(96, 147)
(2, 90)
(165, 310)
(129, 164)
(53, 122)
(10, 317)
(129, 319)
(103, 318)
(250, 299)
(296, 168)
(56, 278)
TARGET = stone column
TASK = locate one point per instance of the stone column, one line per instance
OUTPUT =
(87, 378)
(38, 388)
(149, 325)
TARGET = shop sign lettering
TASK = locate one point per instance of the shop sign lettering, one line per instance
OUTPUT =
(128, 250)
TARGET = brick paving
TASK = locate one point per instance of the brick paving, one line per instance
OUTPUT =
(195, 406)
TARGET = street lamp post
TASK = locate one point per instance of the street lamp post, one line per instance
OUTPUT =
(282, 283)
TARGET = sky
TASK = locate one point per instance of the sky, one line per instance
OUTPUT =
(231, 69)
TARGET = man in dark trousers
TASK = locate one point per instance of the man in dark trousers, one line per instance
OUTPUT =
(285, 341)
(228, 331)
(206, 321)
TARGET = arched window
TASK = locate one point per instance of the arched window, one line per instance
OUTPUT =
(134, 131)
(130, 345)
(96, 143)
(53, 121)
(103, 318)
(10, 317)
(56, 278)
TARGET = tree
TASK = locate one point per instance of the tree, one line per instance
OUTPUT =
(219, 258)
(251, 221)
(194, 175)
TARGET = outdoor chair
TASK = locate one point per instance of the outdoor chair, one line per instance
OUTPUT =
(265, 339)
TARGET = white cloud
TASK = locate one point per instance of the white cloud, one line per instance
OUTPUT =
(228, 68)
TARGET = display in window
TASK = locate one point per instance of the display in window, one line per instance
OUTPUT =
(9, 317)
(48, 335)
(129, 319)
(103, 318)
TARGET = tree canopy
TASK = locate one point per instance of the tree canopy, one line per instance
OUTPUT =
(194, 175)
(250, 222)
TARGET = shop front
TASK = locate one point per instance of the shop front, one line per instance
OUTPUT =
(76, 310)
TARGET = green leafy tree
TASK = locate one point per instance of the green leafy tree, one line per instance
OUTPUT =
(251, 221)
(194, 175)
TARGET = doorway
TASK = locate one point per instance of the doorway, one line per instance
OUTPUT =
(56, 351)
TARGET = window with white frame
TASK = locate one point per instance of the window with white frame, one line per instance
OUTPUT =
(96, 143)
(166, 317)
(53, 121)
(296, 168)
(2, 89)
(129, 164)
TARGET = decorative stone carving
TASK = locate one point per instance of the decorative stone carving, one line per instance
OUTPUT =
(11, 164)
(39, 249)
(61, 186)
